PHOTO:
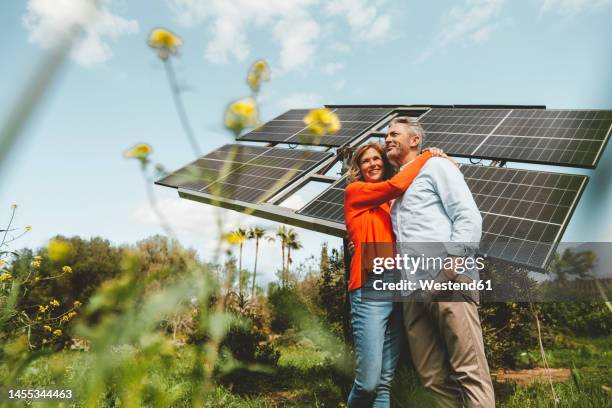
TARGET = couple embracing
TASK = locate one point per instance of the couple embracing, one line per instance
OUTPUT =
(432, 203)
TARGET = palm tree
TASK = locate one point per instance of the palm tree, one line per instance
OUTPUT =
(578, 264)
(292, 243)
(255, 233)
(281, 233)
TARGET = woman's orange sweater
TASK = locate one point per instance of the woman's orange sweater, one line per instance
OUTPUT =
(368, 219)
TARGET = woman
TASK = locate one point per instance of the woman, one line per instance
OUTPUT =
(376, 324)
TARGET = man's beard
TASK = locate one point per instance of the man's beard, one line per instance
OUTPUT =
(394, 159)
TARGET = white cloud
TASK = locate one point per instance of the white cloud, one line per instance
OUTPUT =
(298, 42)
(471, 23)
(293, 25)
(51, 22)
(332, 67)
(191, 217)
(362, 17)
(572, 7)
(301, 100)
(195, 224)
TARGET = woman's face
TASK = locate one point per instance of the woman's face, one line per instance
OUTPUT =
(372, 166)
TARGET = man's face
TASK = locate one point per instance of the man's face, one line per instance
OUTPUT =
(399, 142)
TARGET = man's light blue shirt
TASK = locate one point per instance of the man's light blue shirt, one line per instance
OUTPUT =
(439, 207)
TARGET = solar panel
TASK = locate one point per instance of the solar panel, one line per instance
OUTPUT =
(290, 128)
(244, 173)
(524, 212)
(460, 131)
(329, 205)
(551, 136)
(564, 137)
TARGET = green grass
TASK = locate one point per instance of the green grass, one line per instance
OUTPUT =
(572, 353)
(305, 377)
(301, 358)
(589, 388)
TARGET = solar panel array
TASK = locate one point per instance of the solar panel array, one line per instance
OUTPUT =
(290, 128)
(524, 212)
(564, 137)
(244, 173)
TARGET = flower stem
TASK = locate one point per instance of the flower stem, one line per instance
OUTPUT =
(162, 219)
(8, 227)
(180, 108)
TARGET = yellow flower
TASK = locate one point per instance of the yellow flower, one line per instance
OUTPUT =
(35, 264)
(65, 318)
(234, 238)
(241, 114)
(42, 309)
(165, 41)
(76, 303)
(38, 318)
(44, 341)
(28, 228)
(67, 269)
(38, 258)
(260, 71)
(36, 279)
(322, 122)
(57, 332)
(140, 151)
(54, 302)
(72, 313)
(59, 249)
(5, 276)
(47, 328)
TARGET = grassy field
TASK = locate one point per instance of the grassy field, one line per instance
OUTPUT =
(305, 377)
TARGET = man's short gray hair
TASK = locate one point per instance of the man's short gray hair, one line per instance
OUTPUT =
(414, 126)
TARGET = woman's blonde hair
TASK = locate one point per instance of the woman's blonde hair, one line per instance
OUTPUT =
(354, 173)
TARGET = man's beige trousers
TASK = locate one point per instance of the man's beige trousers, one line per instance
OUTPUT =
(445, 340)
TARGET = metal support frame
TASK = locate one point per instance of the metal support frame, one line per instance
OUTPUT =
(268, 211)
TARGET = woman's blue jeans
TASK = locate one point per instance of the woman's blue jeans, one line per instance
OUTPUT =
(377, 333)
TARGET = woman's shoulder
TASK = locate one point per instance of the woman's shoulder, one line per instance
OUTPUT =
(355, 185)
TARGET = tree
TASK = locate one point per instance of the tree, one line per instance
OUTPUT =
(332, 289)
(292, 243)
(569, 263)
(281, 234)
(255, 233)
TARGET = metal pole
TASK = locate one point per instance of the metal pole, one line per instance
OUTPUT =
(346, 312)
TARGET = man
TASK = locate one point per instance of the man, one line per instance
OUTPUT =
(445, 337)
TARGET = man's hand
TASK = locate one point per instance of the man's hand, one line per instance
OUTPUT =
(436, 152)
(449, 273)
(445, 275)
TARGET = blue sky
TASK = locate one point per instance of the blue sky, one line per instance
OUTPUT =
(67, 172)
